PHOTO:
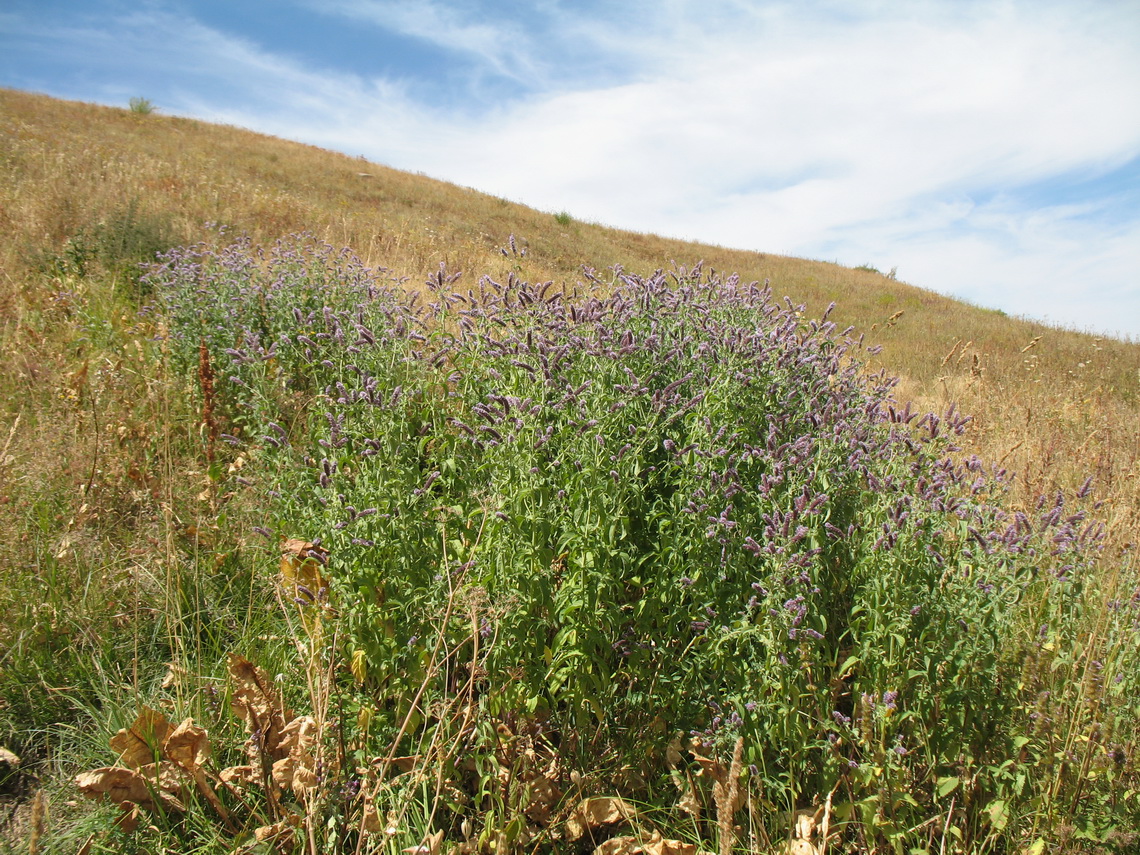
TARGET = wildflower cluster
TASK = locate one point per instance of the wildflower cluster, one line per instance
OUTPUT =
(651, 505)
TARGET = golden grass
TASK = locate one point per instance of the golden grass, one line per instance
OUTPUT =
(1067, 407)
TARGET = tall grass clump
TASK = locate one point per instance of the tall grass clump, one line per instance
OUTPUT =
(542, 544)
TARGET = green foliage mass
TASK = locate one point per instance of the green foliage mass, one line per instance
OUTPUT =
(660, 507)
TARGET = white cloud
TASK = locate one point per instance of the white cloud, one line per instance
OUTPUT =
(500, 47)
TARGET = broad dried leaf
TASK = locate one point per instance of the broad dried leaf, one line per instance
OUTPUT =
(544, 795)
(128, 820)
(301, 563)
(671, 847)
(280, 833)
(237, 775)
(710, 767)
(303, 581)
(689, 802)
(255, 701)
(174, 675)
(9, 759)
(297, 770)
(141, 743)
(654, 845)
(188, 745)
(405, 764)
(807, 823)
(124, 786)
(430, 846)
(596, 812)
(166, 776)
(371, 823)
(543, 792)
(618, 846)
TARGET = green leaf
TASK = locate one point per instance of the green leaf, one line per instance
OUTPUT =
(947, 785)
(998, 812)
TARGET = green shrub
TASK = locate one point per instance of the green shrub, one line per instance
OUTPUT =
(141, 106)
(662, 507)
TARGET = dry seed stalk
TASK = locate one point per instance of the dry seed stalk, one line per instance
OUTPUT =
(206, 379)
(726, 794)
(39, 811)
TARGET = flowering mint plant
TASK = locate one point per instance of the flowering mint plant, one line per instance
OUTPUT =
(646, 506)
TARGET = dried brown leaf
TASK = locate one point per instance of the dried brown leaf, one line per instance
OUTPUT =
(141, 743)
(801, 847)
(544, 795)
(128, 820)
(279, 833)
(689, 802)
(404, 764)
(301, 563)
(430, 846)
(371, 823)
(256, 702)
(710, 767)
(188, 745)
(543, 792)
(297, 770)
(654, 845)
(174, 676)
(237, 775)
(166, 776)
(303, 581)
(596, 812)
(125, 786)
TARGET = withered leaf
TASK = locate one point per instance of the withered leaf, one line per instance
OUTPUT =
(279, 832)
(689, 802)
(430, 846)
(188, 745)
(711, 767)
(124, 786)
(174, 675)
(301, 563)
(595, 812)
(128, 820)
(304, 583)
(371, 823)
(544, 793)
(141, 743)
(654, 845)
(166, 776)
(297, 769)
(237, 775)
(256, 702)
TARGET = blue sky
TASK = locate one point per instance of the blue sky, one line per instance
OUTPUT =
(987, 150)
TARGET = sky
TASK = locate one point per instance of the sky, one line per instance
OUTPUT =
(985, 150)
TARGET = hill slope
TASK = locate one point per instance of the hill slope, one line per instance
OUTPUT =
(127, 550)
(79, 178)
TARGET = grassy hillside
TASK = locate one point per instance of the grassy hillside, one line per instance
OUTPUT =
(112, 482)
